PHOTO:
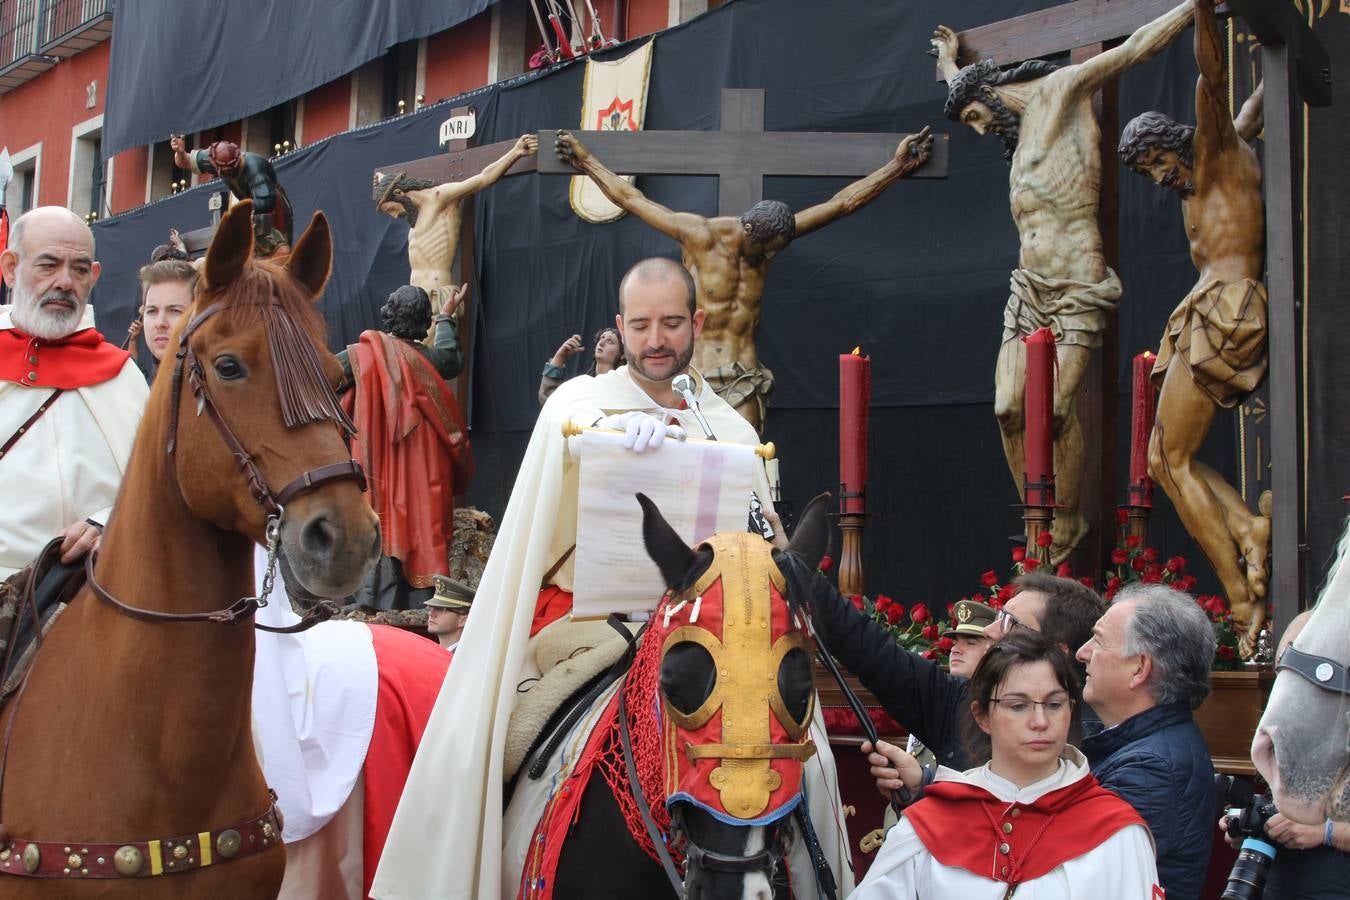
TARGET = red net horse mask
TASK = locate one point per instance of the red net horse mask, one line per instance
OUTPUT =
(739, 754)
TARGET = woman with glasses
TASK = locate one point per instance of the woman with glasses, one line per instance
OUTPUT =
(1032, 822)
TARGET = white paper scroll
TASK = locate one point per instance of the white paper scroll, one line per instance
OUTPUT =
(701, 487)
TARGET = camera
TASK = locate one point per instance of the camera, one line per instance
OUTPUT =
(1245, 815)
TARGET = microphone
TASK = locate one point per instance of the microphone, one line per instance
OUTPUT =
(683, 385)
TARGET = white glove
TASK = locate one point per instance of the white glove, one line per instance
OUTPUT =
(641, 431)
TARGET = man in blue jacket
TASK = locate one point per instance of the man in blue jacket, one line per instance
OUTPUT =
(1147, 668)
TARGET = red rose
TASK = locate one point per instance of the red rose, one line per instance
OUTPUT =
(1119, 557)
(1151, 578)
(894, 613)
(1187, 582)
(1005, 593)
(1150, 554)
(989, 579)
(1044, 539)
(1031, 565)
(1225, 653)
(1114, 584)
(1086, 581)
(857, 601)
(1176, 564)
(1138, 564)
(1154, 569)
(995, 603)
(826, 563)
(882, 602)
(927, 654)
(944, 644)
(930, 632)
(1132, 540)
(1122, 517)
(1019, 554)
(951, 609)
(919, 614)
(1063, 571)
(1110, 592)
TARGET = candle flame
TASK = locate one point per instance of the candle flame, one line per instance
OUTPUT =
(857, 351)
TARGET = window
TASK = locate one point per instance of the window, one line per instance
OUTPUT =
(400, 78)
(22, 193)
(90, 176)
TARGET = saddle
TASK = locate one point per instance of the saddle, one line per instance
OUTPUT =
(30, 602)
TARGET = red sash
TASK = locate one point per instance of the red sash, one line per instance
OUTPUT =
(965, 827)
(75, 361)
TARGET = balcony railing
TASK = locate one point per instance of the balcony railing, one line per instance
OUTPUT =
(35, 33)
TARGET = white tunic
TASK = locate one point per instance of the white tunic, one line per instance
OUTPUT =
(1123, 867)
(69, 466)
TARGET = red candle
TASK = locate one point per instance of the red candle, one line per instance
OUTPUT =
(855, 396)
(1143, 407)
(1039, 409)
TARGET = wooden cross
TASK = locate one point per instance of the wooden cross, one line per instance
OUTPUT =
(741, 153)
(1294, 66)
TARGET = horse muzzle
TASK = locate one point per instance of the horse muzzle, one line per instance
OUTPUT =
(328, 547)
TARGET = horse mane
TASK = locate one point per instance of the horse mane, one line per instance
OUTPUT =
(1339, 570)
(264, 289)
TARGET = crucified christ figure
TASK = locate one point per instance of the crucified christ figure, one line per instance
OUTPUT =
(729, 258)
(1051, 138)
(1213, 351)
(433, 214)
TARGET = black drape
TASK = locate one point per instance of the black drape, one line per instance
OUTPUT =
(184, 67)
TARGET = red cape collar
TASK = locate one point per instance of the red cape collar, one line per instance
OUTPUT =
(75, 361)
(964, 826)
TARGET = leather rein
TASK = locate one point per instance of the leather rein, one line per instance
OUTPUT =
(272, 502)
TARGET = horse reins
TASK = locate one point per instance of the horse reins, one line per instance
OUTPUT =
(272, 502)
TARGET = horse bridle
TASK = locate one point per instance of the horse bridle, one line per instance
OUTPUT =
(698, 859)
(1322, 672)
(272, 502)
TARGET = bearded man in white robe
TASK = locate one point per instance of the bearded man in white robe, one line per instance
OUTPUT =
(70, 401)
(451, 809)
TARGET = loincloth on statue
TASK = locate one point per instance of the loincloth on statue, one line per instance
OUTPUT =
(1219, 334)
(736, 384)
(1076, 312)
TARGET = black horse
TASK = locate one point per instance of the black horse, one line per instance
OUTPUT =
(730, 828)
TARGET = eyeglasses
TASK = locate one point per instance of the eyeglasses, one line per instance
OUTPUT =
(1021, 706)
(1007, 621)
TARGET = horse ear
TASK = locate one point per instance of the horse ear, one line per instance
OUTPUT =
(812, 538)
(231, 246)
(311, 260)
(666, 548)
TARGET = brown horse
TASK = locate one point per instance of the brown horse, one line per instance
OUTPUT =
(131, 744)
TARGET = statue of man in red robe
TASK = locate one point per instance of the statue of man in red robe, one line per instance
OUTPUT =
(410, 439)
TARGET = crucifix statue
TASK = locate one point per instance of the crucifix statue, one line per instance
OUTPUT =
(1213, 350)
(432, 210)
(1045, 118)
(729, 255)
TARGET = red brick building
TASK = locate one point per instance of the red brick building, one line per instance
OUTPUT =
(54, 74)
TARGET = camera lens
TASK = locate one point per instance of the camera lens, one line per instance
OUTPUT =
(1247, 880)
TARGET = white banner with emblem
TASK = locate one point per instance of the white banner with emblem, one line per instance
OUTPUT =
(613, 98)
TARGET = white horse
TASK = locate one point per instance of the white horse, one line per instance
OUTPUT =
(1302, 746)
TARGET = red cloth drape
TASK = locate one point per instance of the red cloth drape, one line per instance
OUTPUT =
(412, 443)
(75, 361)
(411, 670)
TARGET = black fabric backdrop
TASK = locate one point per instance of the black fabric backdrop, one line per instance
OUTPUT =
(918, 279)
(183, 67)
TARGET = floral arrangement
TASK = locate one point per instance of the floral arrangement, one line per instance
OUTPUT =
(1132, 562)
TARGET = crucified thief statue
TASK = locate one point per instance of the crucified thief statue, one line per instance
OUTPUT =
(1051, 138)
(433, 214)
(1213, 351)
(729, 258)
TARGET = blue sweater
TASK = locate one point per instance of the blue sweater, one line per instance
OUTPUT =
(1157, 762)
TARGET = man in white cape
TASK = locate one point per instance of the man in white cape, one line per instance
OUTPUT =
(451, 811)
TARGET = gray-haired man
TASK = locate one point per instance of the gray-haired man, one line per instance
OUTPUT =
(1147, 668)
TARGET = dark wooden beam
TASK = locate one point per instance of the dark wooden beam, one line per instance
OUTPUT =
(459, 163)
(1048, 32)
(1287, 548)
(1275, 24)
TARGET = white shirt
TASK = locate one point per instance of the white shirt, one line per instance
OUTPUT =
(69, 465)
(1123, 867)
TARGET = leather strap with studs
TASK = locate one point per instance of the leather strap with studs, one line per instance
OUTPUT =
(141, 859)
